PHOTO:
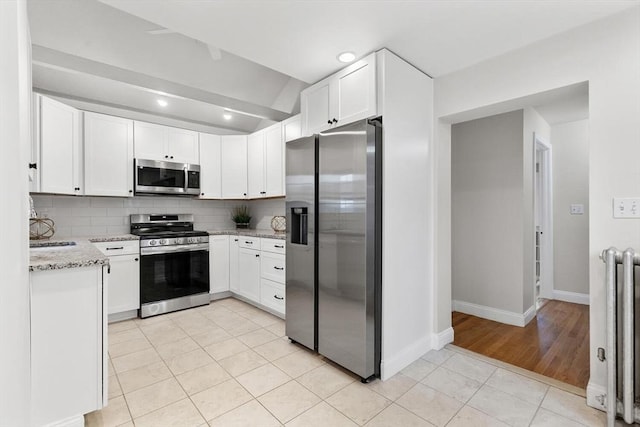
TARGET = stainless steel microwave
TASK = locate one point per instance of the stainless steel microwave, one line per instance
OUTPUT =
(157, 177)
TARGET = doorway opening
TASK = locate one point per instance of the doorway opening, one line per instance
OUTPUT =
(519, 223)
(543, 208)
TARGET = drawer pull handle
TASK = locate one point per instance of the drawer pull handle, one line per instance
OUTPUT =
(278, 246)
(248, 243)
(277, 297)
(115, 248)
(279, 268)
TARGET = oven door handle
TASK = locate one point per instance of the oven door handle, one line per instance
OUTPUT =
(173, 249)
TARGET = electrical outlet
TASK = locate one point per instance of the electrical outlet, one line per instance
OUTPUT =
(628, 207)
(577, 209)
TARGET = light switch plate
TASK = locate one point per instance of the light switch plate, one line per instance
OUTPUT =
(626, 207)
(576, 209)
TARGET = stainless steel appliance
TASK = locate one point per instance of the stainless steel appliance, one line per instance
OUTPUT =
(333, 271)
(174, 263)
(156, 177)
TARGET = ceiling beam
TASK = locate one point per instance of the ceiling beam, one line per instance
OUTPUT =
(47, 57)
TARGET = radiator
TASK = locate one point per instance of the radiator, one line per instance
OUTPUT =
(621, 343)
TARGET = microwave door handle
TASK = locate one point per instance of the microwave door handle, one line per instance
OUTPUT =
(186, 180)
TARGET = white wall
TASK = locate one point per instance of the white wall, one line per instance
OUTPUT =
(570, 142)
(95, 216)
(487, 212)
(15, 87)
(605, 53)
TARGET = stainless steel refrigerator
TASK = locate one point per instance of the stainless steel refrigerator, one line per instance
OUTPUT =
(333, 263)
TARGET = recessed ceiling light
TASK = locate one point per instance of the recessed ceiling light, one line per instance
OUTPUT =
(162, 103)
(346, 57)
(227, 116)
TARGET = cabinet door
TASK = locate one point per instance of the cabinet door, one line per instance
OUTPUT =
(124, 283)
(183, 146)
(34, 157)
(292, 128)
(274, 164)
(210, 167)
(353, 92)
(60, 148)
(219, 263)
(150, 141)
(67, 349)
(234, 166)
(234, 278)
(108, 155)
(255, 165)
(315, 108)
(249, 274)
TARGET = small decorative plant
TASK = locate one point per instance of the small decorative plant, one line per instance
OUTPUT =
(241, 216)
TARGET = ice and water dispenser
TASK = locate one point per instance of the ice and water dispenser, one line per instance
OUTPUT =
(299, 225)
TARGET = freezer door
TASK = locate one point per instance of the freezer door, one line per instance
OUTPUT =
(300, 259)
(347, 228)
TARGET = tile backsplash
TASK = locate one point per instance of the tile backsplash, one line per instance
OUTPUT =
(94, 216)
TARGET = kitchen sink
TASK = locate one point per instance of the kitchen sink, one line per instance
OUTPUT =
(51, 245)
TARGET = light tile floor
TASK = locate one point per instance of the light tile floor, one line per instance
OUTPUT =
(229, 364)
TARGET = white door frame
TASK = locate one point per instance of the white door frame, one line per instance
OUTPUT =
(543, 147)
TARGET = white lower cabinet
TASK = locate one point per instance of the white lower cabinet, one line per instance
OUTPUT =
(272, 274)
(257, 271)
(218, 264)
(272, 295)
(124, 275)
(234, 248)
(68, 344)
(249, 273)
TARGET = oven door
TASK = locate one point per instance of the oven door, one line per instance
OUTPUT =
(173, 273)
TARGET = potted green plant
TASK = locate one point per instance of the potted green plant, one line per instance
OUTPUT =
(241, 216)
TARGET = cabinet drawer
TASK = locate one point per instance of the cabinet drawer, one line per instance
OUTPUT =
(249, 242)
(272, 295)
(272, 267)
(273, 245)
(122, 247)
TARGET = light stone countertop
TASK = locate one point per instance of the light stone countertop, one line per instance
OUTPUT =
(84, 254)
(118, 238)
(48, 257)
(269, 234)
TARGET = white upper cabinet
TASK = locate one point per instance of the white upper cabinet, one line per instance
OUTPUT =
(255, 165)
(108, 155)
(265, 163)
(210, 167)
(183, 146)
(342, 98)
(315, 107)
(292, 128)
(274, 161)
(164, 143)
(234, 166)
(60, 166)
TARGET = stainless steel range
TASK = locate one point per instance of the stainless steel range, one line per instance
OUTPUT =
(174, 263)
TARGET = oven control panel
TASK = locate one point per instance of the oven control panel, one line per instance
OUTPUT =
(173, 241)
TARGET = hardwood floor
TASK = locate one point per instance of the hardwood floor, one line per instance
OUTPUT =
(554, 344)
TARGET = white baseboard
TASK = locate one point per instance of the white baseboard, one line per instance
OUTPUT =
(75, 421)
(502, 316)
(596, 396)
(573, 297)
(529, 315)
(440, 339)
(394, 364)
(125, 315)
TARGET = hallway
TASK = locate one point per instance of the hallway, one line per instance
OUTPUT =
(554, 344)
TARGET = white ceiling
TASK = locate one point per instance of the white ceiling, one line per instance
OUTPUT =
(302, 38)
(256, 55)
